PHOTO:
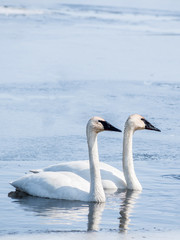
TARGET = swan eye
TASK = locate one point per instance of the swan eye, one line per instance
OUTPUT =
(102, 122)
(144, 120)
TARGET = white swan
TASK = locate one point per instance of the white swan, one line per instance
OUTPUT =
(112, 178)
(68, 185)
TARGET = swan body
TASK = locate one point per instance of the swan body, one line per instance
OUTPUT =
(53, 184)
(112, 178)
(68, 185)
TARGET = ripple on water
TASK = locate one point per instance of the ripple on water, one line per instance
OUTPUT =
(172, 176)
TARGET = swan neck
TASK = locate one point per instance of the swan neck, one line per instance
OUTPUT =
(96, 188)
(128, 164)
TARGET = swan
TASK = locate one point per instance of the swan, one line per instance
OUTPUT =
(112, 178)
(68, 185)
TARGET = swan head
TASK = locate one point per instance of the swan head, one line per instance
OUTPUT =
(98, 124)
(138, 122)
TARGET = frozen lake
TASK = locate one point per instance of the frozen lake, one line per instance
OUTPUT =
(62, 63)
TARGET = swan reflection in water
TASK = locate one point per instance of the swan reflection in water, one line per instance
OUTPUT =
(129, 198)
(63, 211)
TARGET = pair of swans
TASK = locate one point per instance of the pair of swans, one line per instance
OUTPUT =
(70, 181)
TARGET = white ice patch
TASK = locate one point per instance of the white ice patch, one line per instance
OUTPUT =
(4, 10)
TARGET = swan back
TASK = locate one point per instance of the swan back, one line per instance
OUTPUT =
(55, 185)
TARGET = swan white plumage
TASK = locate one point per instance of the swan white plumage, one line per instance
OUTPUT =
(68, 185)
(112, 178)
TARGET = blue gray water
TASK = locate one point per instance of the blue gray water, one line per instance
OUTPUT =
(62, 64)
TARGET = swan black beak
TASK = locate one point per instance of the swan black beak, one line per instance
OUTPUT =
(108, 127)
(149, 126)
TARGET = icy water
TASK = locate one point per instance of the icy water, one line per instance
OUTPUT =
(62, 63)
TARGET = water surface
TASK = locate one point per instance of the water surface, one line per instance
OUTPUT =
(62, 64)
